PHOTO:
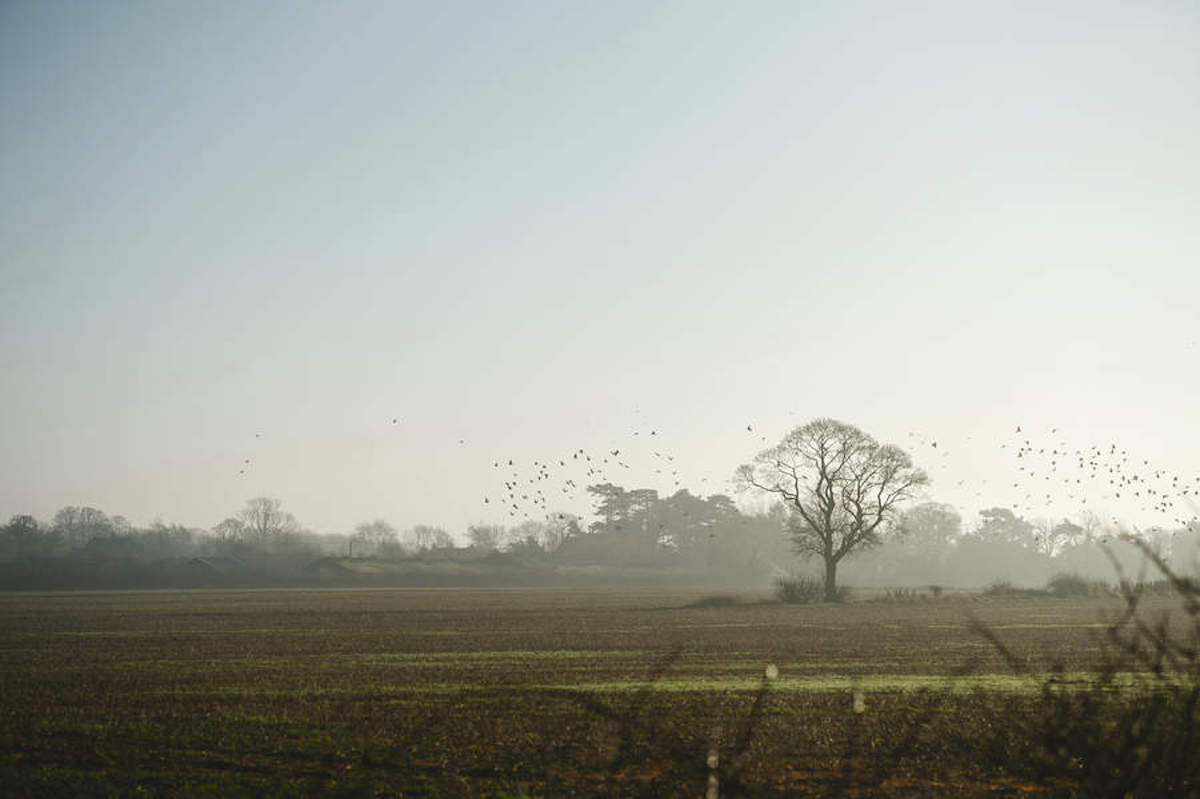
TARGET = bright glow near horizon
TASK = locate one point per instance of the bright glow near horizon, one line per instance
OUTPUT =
(537, 227)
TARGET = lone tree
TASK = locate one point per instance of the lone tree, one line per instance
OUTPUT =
(841, 485)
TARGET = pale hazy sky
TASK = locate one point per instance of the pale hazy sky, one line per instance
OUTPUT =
(536, 227)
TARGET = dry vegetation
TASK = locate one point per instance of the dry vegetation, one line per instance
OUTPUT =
(431, 693)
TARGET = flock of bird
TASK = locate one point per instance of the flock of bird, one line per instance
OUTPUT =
(1099, 473)
(1048, 472)
(529, 493)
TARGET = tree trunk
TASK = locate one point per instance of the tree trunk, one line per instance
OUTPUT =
(831, 592)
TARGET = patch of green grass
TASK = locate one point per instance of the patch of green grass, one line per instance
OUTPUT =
(336, 693)
(829, 684)
(274, 631)
(1000, 683)
(503, 655)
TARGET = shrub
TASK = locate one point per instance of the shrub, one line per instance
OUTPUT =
(1003, 588)
(999, 588)
(901, 595)
(1133, 732)
(1157, 588)
(1064, 585)
(799, 590)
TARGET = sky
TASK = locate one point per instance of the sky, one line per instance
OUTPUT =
(263, 231)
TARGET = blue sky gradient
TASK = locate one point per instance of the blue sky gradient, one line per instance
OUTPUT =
(537, 226)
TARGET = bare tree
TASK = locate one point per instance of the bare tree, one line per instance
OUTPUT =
(424, 537)
(1051, 539)
(377, 535)
(230, 530)
(1091, 524)
(486, 537)
(558, 528)
(265, 520)
(23, 535)
(78, 525)
(842, 486)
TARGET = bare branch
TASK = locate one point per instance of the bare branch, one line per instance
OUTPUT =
(841, 485)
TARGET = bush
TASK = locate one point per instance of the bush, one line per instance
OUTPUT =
(1157, 588)
(902, 595)
(1133, 731)
(999, 588)
(799, 590)
(1064, 585)
(1003, 588)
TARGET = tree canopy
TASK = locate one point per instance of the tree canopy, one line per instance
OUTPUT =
(842, 486)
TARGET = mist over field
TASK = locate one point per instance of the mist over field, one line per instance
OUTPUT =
(777, 353)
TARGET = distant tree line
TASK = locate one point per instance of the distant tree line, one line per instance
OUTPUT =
(839, 500)
(932, 545)
(636, 530)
